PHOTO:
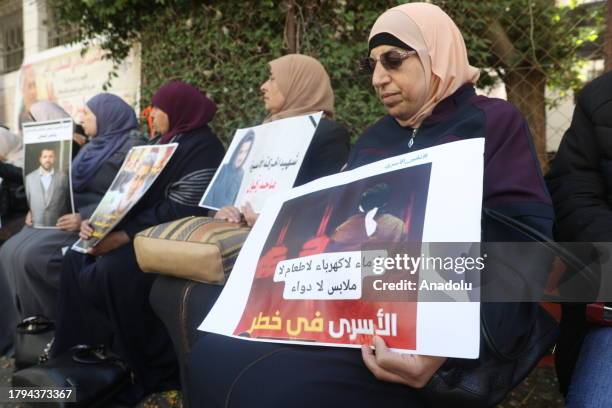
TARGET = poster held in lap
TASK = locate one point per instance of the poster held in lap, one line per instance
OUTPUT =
(321, 266)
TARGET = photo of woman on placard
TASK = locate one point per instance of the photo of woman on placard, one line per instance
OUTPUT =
(227, 184)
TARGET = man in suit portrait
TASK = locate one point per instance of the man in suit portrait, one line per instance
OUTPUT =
(47, 191)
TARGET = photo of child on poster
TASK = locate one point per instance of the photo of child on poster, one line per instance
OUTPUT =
(382, 209)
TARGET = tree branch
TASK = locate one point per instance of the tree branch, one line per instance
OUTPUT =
(501, 45)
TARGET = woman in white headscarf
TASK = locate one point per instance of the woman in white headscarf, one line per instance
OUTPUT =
(10, 144)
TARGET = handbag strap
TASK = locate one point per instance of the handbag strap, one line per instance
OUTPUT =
(496, 351)
(569, 259)
(35, 324)
(95, 354)
(531, 234)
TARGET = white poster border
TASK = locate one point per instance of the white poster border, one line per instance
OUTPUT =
(66, 125)
(457, 171)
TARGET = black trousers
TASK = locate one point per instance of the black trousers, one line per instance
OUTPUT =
(106, 300)
(228, 372)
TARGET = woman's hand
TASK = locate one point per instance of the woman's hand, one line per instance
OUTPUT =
(412, 370)
(249, 215)
(86, 230)
(110, 242)
(28, 219)
(69, 222)
(229, 213)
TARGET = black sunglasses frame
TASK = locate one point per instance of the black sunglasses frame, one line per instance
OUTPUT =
(390, 60)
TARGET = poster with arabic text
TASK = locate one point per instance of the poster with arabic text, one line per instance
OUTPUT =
(376, 251)
(261, 161)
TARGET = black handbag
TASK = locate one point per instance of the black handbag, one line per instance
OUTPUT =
(95, 374)
(17, 198)
(485, 382)
(33, 338)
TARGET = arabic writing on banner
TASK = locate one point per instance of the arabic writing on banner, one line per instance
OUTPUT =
(261, 161)
(328, 268)
(322, 276)
(46, 170)
(139, 170)
(385, 324)
(70, 76)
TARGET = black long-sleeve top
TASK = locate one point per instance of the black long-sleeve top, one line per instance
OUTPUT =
(177, 191)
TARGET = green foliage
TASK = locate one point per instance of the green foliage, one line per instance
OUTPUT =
(224, 49)
(543, 36)
(117, 22)
(223, 46)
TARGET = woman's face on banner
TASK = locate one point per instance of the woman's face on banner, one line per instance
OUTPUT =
(89, 122)
(272, 96)
(243, 153)
(30, 93)
(402, 90)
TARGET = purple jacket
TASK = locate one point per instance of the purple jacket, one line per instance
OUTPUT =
(513, 182)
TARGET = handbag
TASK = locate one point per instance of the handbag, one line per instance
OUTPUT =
(18, 201)
(201, 249)
(33, 337)
(95, 374)
(486, 381)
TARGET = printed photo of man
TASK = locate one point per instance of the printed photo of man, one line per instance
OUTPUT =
(47, 191)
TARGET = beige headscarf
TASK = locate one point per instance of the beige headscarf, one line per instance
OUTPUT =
(305, 85)
(9, 142)
(439, 45)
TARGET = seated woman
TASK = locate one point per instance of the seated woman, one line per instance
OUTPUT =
(11, 172)
(13, 205)
(579, 180)
(422, 76)
(31, 260)
(105, 299)
(8, 141)
(297, 85)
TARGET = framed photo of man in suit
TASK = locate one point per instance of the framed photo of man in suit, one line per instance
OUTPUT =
(48, 154)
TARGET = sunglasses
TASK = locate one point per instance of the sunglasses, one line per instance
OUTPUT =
(390, 60)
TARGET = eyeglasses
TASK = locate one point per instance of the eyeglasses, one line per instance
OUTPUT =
(390, 60)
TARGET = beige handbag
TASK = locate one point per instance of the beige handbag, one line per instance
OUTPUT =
(196, 248)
